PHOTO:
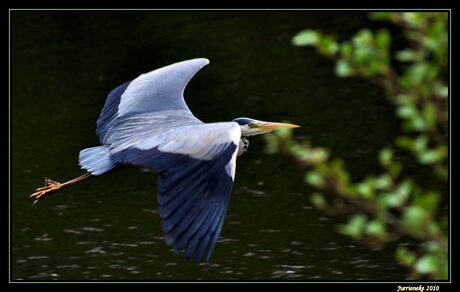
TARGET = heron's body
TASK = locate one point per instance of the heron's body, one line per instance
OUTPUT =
(146, 123)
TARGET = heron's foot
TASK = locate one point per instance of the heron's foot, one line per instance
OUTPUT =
(41, 193)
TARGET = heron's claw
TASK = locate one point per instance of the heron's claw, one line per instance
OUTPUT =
(50, 182)
(41, 193)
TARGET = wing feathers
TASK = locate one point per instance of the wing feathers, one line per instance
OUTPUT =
(195, 238)
(196, 228)
(196, 214)
(185, 191)
(110, 110)
(161, 89)
(175, 211)
(196, 171)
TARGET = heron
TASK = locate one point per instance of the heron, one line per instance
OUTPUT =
(146, 123)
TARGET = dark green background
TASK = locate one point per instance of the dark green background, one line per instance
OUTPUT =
(63, 64)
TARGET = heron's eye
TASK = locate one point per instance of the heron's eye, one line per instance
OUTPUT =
(252, 125)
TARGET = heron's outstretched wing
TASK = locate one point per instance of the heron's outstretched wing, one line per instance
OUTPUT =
(156, 91)
(196, 166)
(145, 122)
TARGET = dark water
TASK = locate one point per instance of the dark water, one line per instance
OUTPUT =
(63, 65)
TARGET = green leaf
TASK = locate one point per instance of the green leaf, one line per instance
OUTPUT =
(306, 37)
(376, 228)
(355, 226)
(432, 155)
(404, 99)
(420, 73)
(420, 143)
(386, 156)
(436, 39)
(441, 90)
(327, 45)
(375, 66)
(406, 55)
(314, 178)
(284, 134)
(383, 40)
(342, 68)
(313, 156)
(272, 145)
(415, 219)
(417, 123)
(363, 55)
(414, 20)
(406, 111)
(433, 228)
(404, 256)
(429, 115)
(404, 189)
(381, 15)
(346, 49)
(433, 247)
(427, 264)
(404, 142)
(391, 200)
(366, 189)
(395, 169)
(383, 182)
(363, 38)
(318, 200)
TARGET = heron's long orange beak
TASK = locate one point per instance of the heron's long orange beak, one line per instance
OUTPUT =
(276, 126)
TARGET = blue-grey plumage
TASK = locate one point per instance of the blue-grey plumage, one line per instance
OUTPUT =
(146, 122)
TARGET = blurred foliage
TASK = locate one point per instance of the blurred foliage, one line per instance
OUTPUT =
(385, 207)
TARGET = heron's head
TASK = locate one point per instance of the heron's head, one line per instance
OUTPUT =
(251, 127)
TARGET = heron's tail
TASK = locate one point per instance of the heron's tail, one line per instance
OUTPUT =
(96, 160)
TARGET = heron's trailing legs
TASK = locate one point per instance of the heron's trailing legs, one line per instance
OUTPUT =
(52, 186)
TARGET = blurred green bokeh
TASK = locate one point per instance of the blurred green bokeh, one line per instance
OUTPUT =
(389, 205)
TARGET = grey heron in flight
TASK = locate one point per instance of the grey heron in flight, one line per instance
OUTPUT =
(146, 123)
